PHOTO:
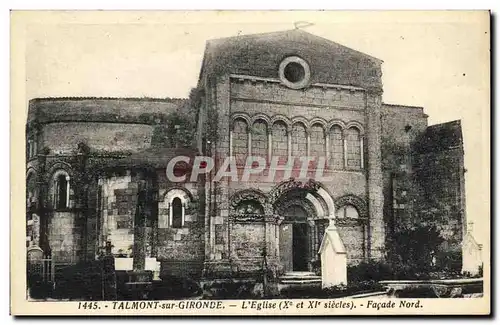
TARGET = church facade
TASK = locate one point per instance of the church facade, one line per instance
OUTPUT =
(97, 174)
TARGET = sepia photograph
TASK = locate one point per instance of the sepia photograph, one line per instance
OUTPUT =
(272, 163)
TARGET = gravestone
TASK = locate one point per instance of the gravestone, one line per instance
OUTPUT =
(35, 254)
(333, 258)
(35, 272)
(108, 273)
(472, 259)
(36, 229)
(35, 262)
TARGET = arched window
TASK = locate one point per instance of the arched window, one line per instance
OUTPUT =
(177, 213)
(249, 207)
(353, 144)
(337, 148)
(299, 140)
(240, 140)
(259, 139)
(317, 141)
(60, 190)
(31, 146)
(31, 194)
(280, 141)
(347, 211)
(172, 209)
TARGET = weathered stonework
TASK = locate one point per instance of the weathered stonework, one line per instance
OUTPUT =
(113, 185)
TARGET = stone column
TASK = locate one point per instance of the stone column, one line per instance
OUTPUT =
(376, 231)
(289, 140)
(269, 143)
(271, 235)
(217, 262)
(312, 242)
(308, 145)
(344, 142)
(327, 148)
(41, 204)
(139, 259)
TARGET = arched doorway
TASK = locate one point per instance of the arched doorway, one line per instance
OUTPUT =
(295, 237)
(302, 207)
(297, 233)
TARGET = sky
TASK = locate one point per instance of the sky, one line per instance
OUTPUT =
(437, 60)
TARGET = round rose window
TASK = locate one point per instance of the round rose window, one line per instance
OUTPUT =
(294, 72)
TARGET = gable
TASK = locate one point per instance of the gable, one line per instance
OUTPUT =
(261, 54)
(333, 239)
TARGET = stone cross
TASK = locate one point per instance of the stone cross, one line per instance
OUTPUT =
(331, 223)
(471, 226)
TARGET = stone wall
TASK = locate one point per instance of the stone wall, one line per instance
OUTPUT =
(118, 213)
(443, 189)
(65, 236)
(86, 109)
(376, 227)
(64, 226)
(268, 100)
(181, 251)
(402, 124)
(63, 137)
(247, 246)
(353, 238)
(316, 102)
(329, 97)
(343, 183)
(110, 127)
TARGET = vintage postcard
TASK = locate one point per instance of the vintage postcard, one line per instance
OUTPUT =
(250, 163)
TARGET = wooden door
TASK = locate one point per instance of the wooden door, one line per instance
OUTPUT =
(300, 247)
(286, 248)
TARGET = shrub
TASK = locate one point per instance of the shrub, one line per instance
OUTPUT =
(230, 289)
(39, 289)
(369, 271)
(173, 287)
(80, 281)
(316, 266)
(378, 271)
(337, 291)
(418, 292)
(353, 288)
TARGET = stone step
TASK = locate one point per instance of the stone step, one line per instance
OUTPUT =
(300, 281)
(299, 273)
(300, 278)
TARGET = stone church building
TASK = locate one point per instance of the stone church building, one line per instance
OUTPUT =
(96, 172)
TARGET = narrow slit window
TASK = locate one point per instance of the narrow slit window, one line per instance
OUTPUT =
(61, 191)
(177, 213)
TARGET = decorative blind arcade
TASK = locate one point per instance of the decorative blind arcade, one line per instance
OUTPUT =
(317, 141)
(299, 140)
(344, 146)
(240, 141)
(353, 144)
(280, 141)
(259, 139)
(336, 148)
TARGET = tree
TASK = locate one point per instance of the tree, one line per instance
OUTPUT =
(414, 249)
